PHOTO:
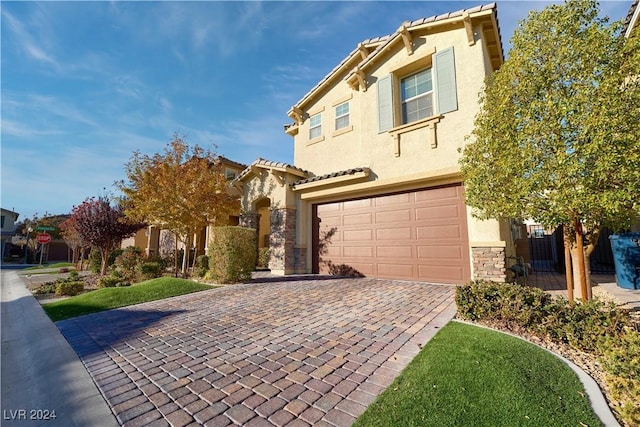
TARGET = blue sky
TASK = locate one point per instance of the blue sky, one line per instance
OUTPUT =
(84, 84)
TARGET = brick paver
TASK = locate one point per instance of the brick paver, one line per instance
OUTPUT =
(307, 351)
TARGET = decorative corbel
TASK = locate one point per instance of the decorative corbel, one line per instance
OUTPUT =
(357, 79)
(279, 176)
(396, 144)
(297, 115)
(406, 38)
(364, 52)
(361, 79)
(433, 134)
(468, 28)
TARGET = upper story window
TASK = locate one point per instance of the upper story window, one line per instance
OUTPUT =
(230, 174)
(407, 95)
(342, 115)
(417, 96)
(2, 223)
(315, 126)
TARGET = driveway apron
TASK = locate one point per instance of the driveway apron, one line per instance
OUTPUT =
(308, 351)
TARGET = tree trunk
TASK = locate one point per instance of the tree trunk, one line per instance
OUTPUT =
(175, 256)
(577, 262)
(185, 258)
(105, 262)
(567, 263)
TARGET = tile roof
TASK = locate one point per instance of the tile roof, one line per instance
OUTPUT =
(627, 21)
(330, 175)
(230, 162)
(269, 164)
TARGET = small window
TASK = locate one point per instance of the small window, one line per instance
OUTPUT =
(315, 126)
(2, 224)
(342, 115)
(417, 96)
(230, 175)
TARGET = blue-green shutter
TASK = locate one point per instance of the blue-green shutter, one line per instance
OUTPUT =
(385, 103)
(445, 78)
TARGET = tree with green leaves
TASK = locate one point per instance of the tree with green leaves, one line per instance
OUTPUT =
(556, 139)
(182, 190)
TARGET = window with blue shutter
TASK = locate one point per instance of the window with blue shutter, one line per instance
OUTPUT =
(385, 103)
(445, 81)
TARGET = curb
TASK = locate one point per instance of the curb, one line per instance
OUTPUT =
(596, 398)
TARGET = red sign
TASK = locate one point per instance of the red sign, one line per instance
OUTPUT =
(43, 238)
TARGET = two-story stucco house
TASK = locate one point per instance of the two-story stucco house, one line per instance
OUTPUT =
(375, 188)
(8, 227)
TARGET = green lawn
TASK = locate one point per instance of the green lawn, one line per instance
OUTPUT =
(471, 376)
(108, 298)
(48, 266)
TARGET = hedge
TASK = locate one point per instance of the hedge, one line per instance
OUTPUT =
(232, 254)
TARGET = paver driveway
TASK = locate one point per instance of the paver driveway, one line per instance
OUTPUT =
(309, 351)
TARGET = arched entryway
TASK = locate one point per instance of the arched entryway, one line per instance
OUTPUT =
(264, 222)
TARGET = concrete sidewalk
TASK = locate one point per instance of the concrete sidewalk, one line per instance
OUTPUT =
(42, 377)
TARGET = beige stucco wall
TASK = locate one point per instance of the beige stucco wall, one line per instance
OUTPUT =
(264, 184)
(364, 146)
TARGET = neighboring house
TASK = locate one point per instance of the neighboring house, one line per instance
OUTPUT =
(8, 226)
(633, 19)
(155, 241)
(375, 188)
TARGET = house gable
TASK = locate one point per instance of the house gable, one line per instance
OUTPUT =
(400, 103)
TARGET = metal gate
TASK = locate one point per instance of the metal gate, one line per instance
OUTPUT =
(546, 250)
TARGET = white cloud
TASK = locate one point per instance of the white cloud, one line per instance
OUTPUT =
(25, 40)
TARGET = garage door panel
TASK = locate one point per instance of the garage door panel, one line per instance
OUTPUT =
(356, 204)
(396, 271)
(330, 221)
(357, 251)
(438, 193)
(355, 235)
(439, 232)
(358, 219)
(394, 251)
(420, 235)
(440, 252)
(402, 233)
(333, 251)
(396, 199)
(437, 212)
(393, 216)
(325, 209)
(441, 273)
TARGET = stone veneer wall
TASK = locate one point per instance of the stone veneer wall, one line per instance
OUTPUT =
(489, 263)
(282, 240)
(249, 220)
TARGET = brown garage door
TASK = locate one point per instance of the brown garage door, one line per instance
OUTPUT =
(418, 235)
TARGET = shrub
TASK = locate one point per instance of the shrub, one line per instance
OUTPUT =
(232, 254)
(202, 266)
(621, 360)
(95, 259)
(128, 263)
(112, 280)
(263, 257)
(46, 288)
(69, 288)
(150, 270)
(599, 328)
